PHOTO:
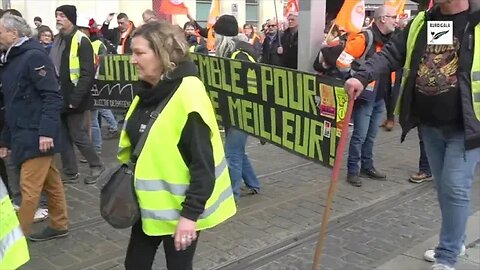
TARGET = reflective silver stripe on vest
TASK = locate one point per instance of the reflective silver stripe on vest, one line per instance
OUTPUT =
(3, 191)
(476, 97)
(75, 70)
(176, 189)
(9, 240)
(165, 215)
(476, 76)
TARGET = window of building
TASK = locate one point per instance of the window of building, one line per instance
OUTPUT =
(203, 9)
(251, 12)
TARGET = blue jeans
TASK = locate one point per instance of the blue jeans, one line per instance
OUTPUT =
(107, 114)
(423, 165)
(239, 165)
(112, 126)
(96, 132)
(453, 168)
(367, 117)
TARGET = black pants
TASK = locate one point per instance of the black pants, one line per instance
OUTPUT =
(75, 132)
(4, 176)
(142, 249)
(392, 95)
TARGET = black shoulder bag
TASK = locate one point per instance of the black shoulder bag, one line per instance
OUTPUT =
(118, 201)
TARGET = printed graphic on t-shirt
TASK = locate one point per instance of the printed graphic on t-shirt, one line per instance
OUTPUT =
(438, 68)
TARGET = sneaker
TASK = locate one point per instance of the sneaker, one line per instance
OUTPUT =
(373, 174)
(246, 191)
(94, 175)
(71, 179)
(83, 160)
(420, 177)
(441, 266)
(429, 255)
(47, 234)
(40, 215)
(111, 134)
(354, 180)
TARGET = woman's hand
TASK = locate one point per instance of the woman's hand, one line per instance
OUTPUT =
(185, 234)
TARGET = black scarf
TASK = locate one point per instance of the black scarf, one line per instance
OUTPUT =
(379, 37)
(152, 95)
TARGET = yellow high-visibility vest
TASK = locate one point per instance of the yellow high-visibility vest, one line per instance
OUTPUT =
(74, 60)
(13, 245)
(161, 175)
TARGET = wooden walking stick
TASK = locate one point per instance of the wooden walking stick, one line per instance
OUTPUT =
(333, 185)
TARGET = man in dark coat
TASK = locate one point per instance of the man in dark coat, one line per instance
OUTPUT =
(290, 43)
(272, 47)
(119, 36)
(31, 133)
(76, 73)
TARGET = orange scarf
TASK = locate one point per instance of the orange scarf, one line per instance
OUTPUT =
(127, 34)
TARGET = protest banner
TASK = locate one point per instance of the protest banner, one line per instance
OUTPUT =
(297, 111)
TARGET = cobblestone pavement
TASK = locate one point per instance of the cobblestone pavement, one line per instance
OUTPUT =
(277, 228)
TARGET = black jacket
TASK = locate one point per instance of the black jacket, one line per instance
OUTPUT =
(114, 36)
(80, 96)
(290, 49)
(245, 47)
(392, 57)
(269, 51)
(32, 101)
(194, 144)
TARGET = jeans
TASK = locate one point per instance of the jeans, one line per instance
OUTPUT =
(239, 165)
(107, 114)
(453, 168)
(366, 120)
(142, 249)
(75, 131)
(423, 165)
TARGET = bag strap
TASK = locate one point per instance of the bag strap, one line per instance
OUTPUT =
(153, 116)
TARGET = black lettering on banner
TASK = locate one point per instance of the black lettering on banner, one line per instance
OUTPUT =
(297, 111)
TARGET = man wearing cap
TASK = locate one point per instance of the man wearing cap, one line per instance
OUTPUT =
(76, 75)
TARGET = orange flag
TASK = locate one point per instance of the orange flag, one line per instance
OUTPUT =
(398, 5)
(173, 7)
(212, 18)
(291, 7)
(351, 16)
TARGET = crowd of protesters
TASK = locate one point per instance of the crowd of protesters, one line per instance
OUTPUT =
(49, 109)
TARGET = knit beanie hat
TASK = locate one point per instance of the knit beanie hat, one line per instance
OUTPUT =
(70, 12)
(226, 25)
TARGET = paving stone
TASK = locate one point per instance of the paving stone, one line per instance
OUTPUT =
(291, 202)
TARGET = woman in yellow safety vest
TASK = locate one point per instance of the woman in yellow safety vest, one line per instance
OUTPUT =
(181, 176)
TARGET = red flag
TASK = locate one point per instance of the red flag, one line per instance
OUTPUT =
(173, 7)
(430, 5)
(351, 16)
(291, 7)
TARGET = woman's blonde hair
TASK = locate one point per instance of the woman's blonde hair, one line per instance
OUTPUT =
(167, 41)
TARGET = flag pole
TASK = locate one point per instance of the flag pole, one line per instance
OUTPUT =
(333, 185)
(278, 26)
